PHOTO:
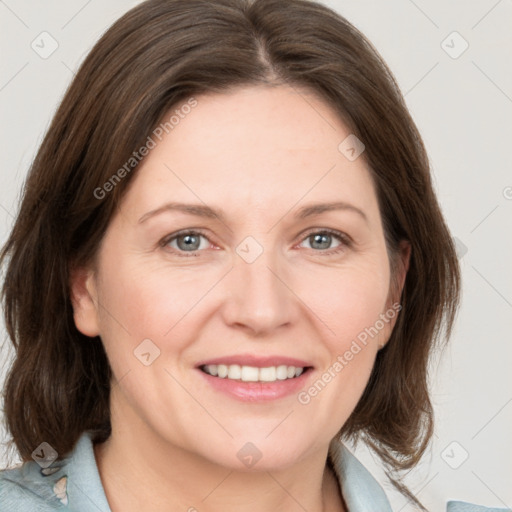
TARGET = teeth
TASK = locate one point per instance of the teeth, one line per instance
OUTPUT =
(282, 372)
(252, 373)
(268, 374)
(234, 372)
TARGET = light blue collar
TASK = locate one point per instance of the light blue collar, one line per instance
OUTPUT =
(361, 492)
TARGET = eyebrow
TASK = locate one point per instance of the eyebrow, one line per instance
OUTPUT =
(200, 210)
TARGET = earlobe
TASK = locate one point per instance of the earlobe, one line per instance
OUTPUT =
(405, 257)
(400, 271)
(84, 301)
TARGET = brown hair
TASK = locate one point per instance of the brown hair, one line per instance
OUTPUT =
(157, 55)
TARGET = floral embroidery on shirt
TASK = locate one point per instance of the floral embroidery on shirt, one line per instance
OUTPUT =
(49, 471)
(60, 490)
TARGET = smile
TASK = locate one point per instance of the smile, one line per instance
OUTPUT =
(252, 373)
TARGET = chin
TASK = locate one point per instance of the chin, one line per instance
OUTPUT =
(242, 454)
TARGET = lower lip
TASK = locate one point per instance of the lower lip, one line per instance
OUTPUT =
(257, 391)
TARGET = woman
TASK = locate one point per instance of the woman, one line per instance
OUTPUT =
(182, 342)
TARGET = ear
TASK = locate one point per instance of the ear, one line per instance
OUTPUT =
(397, 285)
(84, 301)
(403, 267)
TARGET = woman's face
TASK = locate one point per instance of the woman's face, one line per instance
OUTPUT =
(258, 289)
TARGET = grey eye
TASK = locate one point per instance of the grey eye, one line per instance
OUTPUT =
(321, 240)
(186, 242)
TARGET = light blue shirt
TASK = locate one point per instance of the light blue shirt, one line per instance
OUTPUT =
(74, 484)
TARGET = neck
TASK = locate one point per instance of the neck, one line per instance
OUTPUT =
(138, 467)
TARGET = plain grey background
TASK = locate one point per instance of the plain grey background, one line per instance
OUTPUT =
(461, 99)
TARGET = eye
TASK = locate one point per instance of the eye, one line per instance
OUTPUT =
(185, 241)
(323, 239)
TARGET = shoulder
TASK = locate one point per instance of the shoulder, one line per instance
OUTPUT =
(362, 492)
(36, 487)
(30, 488)
(462, 506)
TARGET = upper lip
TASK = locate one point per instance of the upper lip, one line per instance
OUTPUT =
(256, 361)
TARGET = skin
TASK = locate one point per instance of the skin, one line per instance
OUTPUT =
(260, 154)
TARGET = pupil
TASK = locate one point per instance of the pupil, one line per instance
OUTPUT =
(325, 237)
(189, 241)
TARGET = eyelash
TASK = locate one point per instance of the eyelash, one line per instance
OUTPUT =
(346, 241)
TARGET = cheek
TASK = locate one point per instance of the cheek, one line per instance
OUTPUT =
(140, 302)
(348, 299)
(353, 315)
(352, 305)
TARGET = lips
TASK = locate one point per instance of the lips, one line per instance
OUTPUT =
(253, 378)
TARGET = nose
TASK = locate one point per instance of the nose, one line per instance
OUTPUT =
(259, 296)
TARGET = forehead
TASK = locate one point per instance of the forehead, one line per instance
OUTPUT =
(258, 147)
